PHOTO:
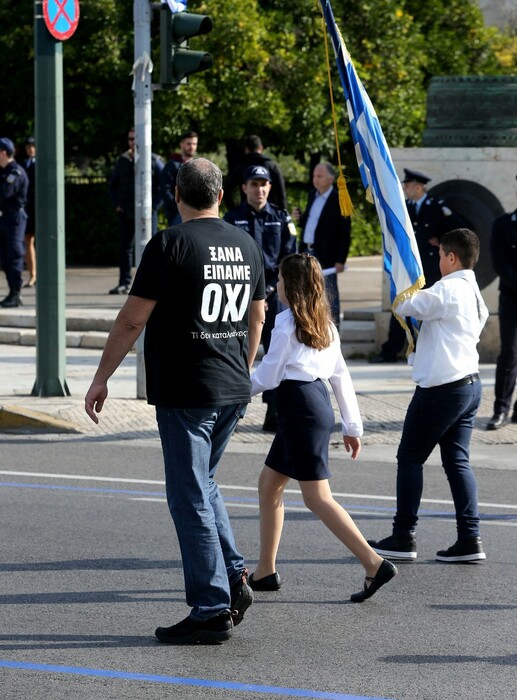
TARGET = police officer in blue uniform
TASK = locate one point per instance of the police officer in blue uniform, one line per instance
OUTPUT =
(431, 218)
(14, 185)
(275, 232)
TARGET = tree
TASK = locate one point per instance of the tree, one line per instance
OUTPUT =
(269, 73)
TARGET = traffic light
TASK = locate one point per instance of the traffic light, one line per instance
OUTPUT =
(177, 61)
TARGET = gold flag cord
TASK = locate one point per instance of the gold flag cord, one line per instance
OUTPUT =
(345, 203)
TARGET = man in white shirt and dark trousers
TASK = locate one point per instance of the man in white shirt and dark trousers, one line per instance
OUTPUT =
(326, 232)
(445, 402)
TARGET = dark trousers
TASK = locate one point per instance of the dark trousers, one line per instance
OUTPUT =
(126, 226)
(12, 247)
(333, 296)
(441, 416)
(396, 341)
(506, 367)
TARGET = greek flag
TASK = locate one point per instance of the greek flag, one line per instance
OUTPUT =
(401, 256)
(175, 6)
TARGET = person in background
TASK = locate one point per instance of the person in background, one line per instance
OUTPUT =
(254, 155)
(326, 232)
(29, 165)
(188, 147)
(305, 351)
(503, 250)
(273, 229)
(14, 185)
(198, 355)
(446, 399)
(122, 194)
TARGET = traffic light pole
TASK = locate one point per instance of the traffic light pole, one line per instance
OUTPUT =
(142, 92)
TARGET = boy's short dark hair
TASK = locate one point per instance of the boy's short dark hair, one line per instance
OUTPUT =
(464, 243)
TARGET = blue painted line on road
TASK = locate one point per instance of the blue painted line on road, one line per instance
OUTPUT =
(352, 507)
(175, 680)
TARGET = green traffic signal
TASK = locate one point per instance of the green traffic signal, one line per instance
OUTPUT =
(177, 61)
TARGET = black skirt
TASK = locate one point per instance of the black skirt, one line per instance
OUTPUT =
(306, 420)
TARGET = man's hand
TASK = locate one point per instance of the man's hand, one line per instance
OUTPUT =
(94, 400)
(352, 444)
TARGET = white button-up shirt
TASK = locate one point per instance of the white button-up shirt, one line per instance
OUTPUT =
(287, 358)
(453, 314)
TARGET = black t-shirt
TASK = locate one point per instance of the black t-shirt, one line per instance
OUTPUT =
(204, 275)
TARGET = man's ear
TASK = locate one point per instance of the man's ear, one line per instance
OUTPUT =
(176, 195)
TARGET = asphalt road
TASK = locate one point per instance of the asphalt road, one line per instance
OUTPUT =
(90, 566)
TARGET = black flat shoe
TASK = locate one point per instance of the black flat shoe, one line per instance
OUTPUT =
(272, 582)
(385, 573)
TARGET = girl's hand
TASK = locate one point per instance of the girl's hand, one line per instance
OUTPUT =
(352, 444)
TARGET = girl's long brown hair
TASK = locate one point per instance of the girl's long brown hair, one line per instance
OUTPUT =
(304, 287)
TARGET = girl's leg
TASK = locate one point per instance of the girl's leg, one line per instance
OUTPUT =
(318, 498)
(271, 489)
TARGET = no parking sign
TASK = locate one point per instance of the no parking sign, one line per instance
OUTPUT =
(61, 17)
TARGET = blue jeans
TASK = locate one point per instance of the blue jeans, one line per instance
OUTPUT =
(441, 416)
(193, 442)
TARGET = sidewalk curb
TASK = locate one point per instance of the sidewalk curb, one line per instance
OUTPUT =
(17, 419)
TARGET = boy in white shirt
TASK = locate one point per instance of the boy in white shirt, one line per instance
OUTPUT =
(445, 402)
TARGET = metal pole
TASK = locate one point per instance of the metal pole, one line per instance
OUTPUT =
(142, 91)
(50, 212)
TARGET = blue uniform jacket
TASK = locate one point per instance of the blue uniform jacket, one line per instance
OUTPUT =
(272, 228)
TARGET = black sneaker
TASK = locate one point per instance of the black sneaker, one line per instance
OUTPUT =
(120, 289)
(463, 550)
(242, 598)
(395, 547)
(215, 630)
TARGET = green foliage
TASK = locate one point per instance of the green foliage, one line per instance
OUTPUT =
(269, 77)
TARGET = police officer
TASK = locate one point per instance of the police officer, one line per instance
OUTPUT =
(14, 185)
(503, 250)
(274, 231)
(122, 194)
(431, 218)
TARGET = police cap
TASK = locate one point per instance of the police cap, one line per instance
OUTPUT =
(257, 172)
(30, 140)
(6, 145)
(413, 176)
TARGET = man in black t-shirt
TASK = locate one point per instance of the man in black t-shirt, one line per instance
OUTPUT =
(198, 354)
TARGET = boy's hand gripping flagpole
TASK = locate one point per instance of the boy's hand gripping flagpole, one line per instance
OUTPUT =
(401, 256)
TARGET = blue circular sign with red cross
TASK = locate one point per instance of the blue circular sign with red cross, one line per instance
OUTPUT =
(61, 17)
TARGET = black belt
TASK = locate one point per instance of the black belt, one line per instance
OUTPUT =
(469, 379)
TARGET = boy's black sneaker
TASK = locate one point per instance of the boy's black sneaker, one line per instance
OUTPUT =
(395, 547)
(241, 598)
(463, 550)
(215, 630)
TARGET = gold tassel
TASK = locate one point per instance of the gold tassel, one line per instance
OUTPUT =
(407, 294)
(345, 203)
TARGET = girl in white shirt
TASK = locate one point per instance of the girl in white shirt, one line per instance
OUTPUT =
(305, 350)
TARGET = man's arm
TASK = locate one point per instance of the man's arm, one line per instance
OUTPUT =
(256, 322)
(128, 325)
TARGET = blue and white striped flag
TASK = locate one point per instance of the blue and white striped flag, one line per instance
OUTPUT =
(401, 256)
(175, 6)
